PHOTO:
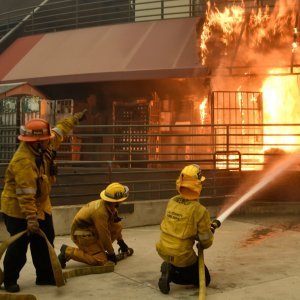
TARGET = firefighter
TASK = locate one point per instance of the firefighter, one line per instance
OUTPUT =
(94, 229)
(185, 222)
(25, 201)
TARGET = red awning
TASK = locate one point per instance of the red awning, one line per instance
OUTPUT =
(145, 50)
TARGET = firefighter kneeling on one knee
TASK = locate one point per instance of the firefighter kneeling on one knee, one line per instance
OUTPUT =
(185, 222)
(94, 229)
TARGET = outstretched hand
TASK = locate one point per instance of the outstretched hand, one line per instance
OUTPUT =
(80, 116)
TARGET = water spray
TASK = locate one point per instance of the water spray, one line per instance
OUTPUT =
(267, 178)
(274, 172)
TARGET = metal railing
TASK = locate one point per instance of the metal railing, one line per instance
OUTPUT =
(150, 162)
(70, 14)
(242, 146)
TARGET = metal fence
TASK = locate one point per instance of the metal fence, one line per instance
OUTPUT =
(150, 162)
(213, 146)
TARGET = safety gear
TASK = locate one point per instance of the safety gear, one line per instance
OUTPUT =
(115, 192)
(80, 116)
(164, 280)
(19, 196)
(189, 182)
(112, 257)
(32, 223)
(123, 246)
(122, 255)
(93, 230)
(12, 287)
(184, 222)
(62, 256)
(35, 130)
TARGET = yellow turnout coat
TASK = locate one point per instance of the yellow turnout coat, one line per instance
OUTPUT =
(185, 222)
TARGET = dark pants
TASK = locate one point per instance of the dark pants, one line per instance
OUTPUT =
(15, 257)
(188, 275)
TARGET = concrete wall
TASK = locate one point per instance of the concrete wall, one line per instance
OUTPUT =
(144, 213)
(151, 213)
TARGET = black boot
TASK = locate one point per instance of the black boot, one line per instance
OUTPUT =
(165, 278)
(62, 256)
(12, 287)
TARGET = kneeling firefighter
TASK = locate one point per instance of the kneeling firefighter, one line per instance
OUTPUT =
(185, 222)
(94, 229)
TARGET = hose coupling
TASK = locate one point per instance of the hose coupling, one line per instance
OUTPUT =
(214, 225)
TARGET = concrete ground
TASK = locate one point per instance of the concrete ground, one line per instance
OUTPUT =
(251, 258)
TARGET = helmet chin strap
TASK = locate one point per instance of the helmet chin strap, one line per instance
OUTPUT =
(39, 148)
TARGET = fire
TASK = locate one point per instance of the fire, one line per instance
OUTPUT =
(202, 110)
(256, 40)
(239, 28)
(281, 106)
(227, 23)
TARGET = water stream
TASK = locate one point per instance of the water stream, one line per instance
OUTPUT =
(270, 175)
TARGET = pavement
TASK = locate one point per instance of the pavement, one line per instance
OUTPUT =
(252, 257)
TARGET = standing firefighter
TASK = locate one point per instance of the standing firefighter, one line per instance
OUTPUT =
(25, 201)
(94, 229)
(186, 221)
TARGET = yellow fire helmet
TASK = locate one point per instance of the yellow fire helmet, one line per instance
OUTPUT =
(189, 182)
(115, 192)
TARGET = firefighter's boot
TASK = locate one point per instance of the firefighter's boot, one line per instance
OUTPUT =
(165, 278)
(62, 256)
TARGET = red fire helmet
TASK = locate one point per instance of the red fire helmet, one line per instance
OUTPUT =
(35, 130)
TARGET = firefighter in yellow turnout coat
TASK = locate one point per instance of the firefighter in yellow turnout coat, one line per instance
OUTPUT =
(25, 201)
(186, 221)
(95, 227)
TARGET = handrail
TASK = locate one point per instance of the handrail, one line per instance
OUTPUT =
(132, 11)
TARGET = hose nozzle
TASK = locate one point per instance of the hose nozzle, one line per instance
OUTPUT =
(214, 225)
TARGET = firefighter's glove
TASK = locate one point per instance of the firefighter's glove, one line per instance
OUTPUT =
(214, 225)
(117, 219)
(80, 116)
(123, 246)
(32, 224)
(112, 257)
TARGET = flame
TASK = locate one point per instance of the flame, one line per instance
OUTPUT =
(281, 106)
(227, 22)
(202, 110)
(255, 39)
(267, 29)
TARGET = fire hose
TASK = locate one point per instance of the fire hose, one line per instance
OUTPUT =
(57, 271)
(202, 282)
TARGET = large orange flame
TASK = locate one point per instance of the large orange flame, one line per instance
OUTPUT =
(281, 106)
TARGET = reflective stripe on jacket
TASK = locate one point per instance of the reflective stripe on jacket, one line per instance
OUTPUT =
(185, 222)
(21, 195)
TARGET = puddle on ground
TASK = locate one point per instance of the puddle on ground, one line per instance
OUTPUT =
(261, 234)
(258, 235)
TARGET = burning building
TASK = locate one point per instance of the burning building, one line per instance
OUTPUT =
(253, 55)
(236, 99)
